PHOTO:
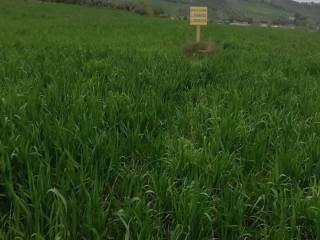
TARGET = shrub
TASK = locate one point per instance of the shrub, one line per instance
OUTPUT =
(142, 7)
(201, 49)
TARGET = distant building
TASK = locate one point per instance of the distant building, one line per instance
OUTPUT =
(163, 15)
(284, 26)
(292, 18)
(241, 24)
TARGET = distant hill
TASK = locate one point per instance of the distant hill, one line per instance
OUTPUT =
(277, 12)
(255, 10)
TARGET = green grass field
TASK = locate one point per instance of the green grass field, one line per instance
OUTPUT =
(107, 131)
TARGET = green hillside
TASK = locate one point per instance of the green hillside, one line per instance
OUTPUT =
(277, 12)
(171, 8)
(108, 131)
(258, 10)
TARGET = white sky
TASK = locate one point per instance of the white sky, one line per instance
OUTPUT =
(317, 1)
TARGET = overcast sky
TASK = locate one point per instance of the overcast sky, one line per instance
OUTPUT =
(318, 1)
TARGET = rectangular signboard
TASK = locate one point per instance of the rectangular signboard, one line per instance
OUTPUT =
(199, 16)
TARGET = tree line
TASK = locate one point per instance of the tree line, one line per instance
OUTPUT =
(142, 7)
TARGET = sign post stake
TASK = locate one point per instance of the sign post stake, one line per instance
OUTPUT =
(198, 18)
(198, 34)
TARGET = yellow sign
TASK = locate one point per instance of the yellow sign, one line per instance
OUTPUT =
(198, 16)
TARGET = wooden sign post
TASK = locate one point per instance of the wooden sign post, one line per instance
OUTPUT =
(198, 18)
